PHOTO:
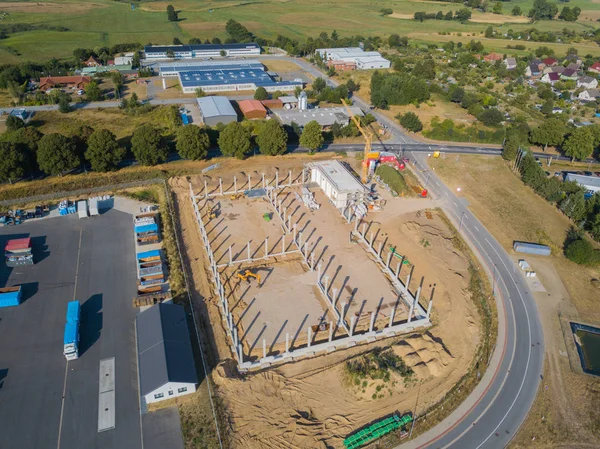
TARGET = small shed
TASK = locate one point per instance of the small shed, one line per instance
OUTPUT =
(275, 103)
(165, 359)
(339, 185)
(216, 110)
(252, 109)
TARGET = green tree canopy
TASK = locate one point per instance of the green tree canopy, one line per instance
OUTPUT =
(497, 9)
(318, 85)
(171, 14)
(312, 136)
(579, 144)
(542, 9)
(272, 139)
(516, 11)
(234, 140)
(582, 252)
(148, 146)
(491, 117)
(64, 105)
(57, 154)
(550, 132)
(13, 161)
(13, 123)
(509, 151)
(411, 122)
(192, 142)
(93, 92)
(103, 152)
(261, 93)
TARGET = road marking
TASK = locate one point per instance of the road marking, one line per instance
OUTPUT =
(455, 204)
(476, 228)
(62, 404)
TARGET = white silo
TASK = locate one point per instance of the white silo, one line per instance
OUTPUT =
(303, 101)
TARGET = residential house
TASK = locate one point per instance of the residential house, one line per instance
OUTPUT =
(511, 63)
(569, 75)
(558, 69)
(551, 78)
(124, 59)
(534, 68)
(550, 62)
(492, 57)
(92, 62)
(574, 66)
(589, 95)
(76, 82)
(573, 58)
(595, 67)
(587, 82)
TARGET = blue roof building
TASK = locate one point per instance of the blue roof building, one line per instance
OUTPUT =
(201, 50)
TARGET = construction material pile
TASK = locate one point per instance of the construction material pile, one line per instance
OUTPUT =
(18, 252)
(146, 228)
(150, 269)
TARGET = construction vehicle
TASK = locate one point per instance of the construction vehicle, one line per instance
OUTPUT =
(377, 430)
(213, 212)
(245, 275)
(236, 196)
(368, 136)
(436, 154)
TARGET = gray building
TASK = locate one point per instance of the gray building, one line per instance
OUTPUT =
(589, 183)
(323, 116)
(165, 358)
(216, 110)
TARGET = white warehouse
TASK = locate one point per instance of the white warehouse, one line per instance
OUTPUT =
(354, 55)
(165, 359)
(200, 51)
(339, 185)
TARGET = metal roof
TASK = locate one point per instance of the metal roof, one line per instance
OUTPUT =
(215, 107)
(288, 99)
(164, 348)
(220, 77)
(209, 65)
(199, 47)
(339, 176)
(323, 116)
(585, 181)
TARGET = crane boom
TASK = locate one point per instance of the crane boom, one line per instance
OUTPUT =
(367, 135)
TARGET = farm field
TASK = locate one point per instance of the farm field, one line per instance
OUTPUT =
(106, 23)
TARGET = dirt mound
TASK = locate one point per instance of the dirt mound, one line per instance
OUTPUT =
(426, 356)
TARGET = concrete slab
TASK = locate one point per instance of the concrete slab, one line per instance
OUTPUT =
(106, 396)
(162, 429)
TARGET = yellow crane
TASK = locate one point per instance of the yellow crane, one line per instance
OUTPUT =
(368, 136)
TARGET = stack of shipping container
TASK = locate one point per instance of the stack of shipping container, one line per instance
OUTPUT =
(146, 228)
(18, 252)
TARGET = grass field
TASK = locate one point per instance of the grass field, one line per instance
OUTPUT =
(105, 22)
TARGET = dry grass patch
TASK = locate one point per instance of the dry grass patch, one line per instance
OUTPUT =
(40, 8)
(488, 17)
(280, 66)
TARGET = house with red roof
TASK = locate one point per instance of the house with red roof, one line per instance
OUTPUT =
(550, 62)
(493, 57)
(51, 82)
(595, 67)
(92, 62)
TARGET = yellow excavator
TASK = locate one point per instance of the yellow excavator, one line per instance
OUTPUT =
(368, 136)
(245, 275)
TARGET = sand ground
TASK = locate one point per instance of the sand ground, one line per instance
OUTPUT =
(308, 404)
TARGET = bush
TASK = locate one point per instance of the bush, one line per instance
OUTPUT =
(392, 178)
(411, 122)
(582, 252)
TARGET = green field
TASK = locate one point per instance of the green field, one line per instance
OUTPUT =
(93, 23)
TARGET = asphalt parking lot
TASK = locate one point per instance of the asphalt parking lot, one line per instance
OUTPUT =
(93, 261)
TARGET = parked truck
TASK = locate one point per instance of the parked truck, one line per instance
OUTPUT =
(71, 338)
(10, 296)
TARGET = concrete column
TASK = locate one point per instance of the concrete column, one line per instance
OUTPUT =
(230, 322)
(263, 180)
(408, 277)
(248, 247)
(235, 336)
(356, 224)
(334, 297)
(429, 308)
(299, 238)
(364, 229)
(266, 247)
(330, 330)
(264, 348)
(289, 223)
(249, 182)
(287, 342)
(352, 323)
(303, 175)
(221, 186)
(372, 323)
(389, 259)
(205, 189)
(295, 231)
(306, 250)
(290, 178)
(418, 294)
(308, 333)
(277, 179)
(226, 307)
(343, 312)
(371, 240)
(240, 353)
(380, 249)
(283, 212)
(283, 243)
(234, 184)
(319, 272)
(230, 256)
(411, 310)
(312, 261)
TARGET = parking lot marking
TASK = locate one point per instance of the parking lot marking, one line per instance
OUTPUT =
(62, 404)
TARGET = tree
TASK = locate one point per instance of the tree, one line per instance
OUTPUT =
(148, 146)
(548, 106)
(312, 136)
(394, 40)
(318, 85)
(272, 139)
(411, 122)
(13, 161)
(56, 154)
(489, 32)
(516, 11)
(234, 140)
(352, 86)
(449, 16)
(103, 152)
(13, 123)
(569, 15)
(223, 53)
(63, 104)
(425, 68)
(497, 8)
(456, 94)
(170, 54)
(582, 252)
(176, 41)
(199, 92)
(579, 144)
(261, 93)
(463, 14)
(192, 142)
(491, 117)
(93, 92)
(420, 16)
(171, 14)
(543, 10)
(384, 12)
(135, 62)
(551, 132)
(509, 151)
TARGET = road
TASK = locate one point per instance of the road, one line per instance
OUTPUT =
(491, 416)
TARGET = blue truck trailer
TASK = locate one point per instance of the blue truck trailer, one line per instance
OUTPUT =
(71, 338)
(10, 296)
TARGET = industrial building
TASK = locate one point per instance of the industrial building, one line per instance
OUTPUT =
(165, 359)
(200, 51)
(590, 183)
(252, 109)
(216, 110)
(351, 58)
(338, 184)
(173, 68)
(324, 117)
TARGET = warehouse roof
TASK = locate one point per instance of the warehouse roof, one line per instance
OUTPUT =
(585, 181)
(251, 105)
(199, 47)
(229, 76)
(209, 65)
(323, 116)
(288, 99)
(338, 175)
(215, 107)
(164, 348)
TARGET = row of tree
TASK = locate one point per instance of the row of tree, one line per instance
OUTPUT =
(397, 89)
(462, 15)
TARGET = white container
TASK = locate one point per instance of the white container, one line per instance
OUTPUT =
(82, 209)
(94, 206)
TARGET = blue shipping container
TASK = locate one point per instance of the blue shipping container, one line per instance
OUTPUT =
(148, 254)
(146, 228)
(10, 296)
(532, 248)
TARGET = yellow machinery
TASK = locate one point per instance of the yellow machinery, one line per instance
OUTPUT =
(245, 275)
(236, 196)
(368, 136)
(436, 154)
